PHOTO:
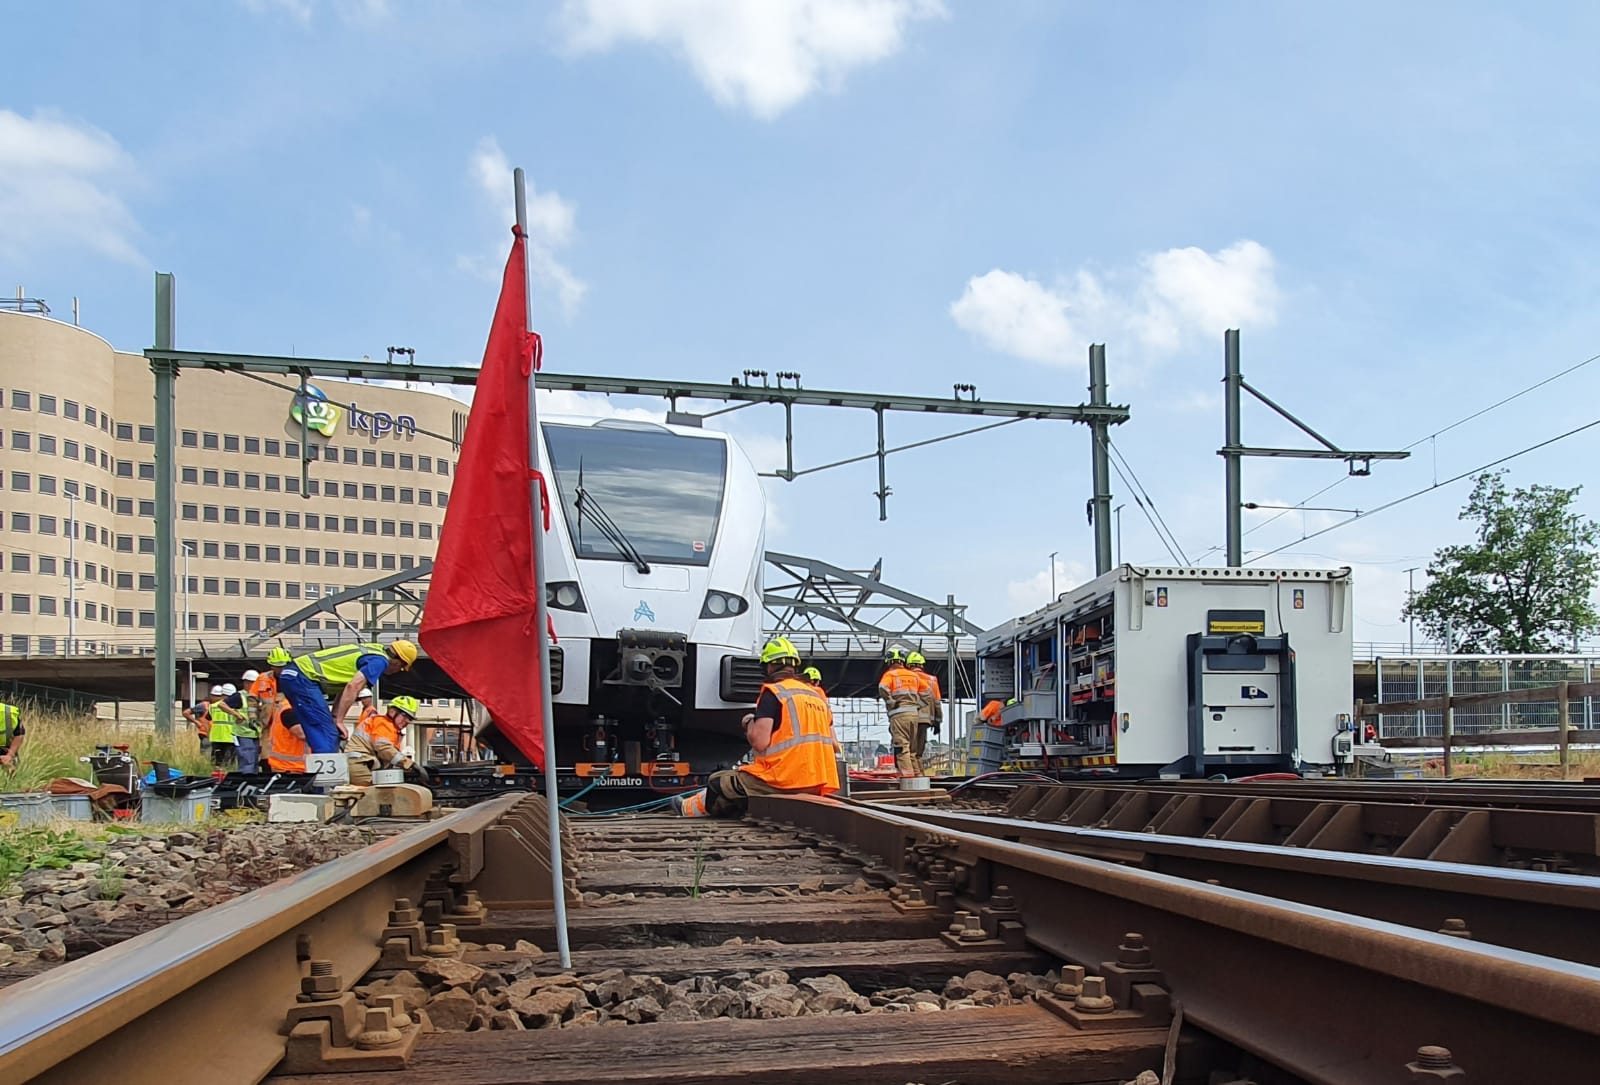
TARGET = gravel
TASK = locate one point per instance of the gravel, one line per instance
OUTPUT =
(143, 881)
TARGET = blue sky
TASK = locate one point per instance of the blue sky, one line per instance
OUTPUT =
(1397, 205)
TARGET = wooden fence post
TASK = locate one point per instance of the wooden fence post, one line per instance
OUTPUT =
(1563, 732)
(1449, 737)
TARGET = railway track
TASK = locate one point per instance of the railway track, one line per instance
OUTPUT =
(849, 942)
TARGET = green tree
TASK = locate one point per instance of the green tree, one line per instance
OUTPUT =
(1524, 585)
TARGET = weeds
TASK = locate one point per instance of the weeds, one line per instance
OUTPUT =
(108, 880)
(699, 868)
(56, 740)
(40, 847)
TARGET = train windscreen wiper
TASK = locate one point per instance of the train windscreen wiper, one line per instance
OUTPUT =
(589, 508)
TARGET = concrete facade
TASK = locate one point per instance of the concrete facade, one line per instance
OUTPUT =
(261, 529)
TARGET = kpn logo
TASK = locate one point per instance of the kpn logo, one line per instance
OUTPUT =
(319, 414)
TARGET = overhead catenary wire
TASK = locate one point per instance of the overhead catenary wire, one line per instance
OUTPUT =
(1152, 513)
(1429, 489)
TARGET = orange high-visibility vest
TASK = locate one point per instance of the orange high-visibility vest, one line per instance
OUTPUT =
(800, 757)
(991, 712)
(378, 727)
(285, 752)
(931, 697)
(900, 690)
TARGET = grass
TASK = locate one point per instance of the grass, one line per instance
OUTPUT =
(43, 847)
(1545, 765)
(108, 880)
(56, 740)
(699, 869)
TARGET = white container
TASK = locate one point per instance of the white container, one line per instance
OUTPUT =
(914, 783)
(295, 808)
(388, 776)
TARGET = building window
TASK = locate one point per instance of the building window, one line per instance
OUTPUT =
(272, 482)
(330, 557)
(313, 557)
(189, 438)
(406, 461)
(211, 622)
(230, 442)
(124, 544)
(388, 561)
(387, 459)
(47, 605)
(291, 484)
(252, 446)
(252, 481)
(425, 497)
(230, 551)
(90, 416)
(124, 506)
(47, 525)
(230, 514)
(47, 485)
(125, 619)
(352, 559)
(193, 586)
(21, 482)
(369, 560)
(273, 446)
(213, 585)
(212, 550)
(291, 519)
(47, 565)
(252, 552)
(291, 590)
(209, 441)
(350, 525)
(105, 422)
(147, 435)
(230, 623)
(369, 527)
(274, 518)
(274, 553)
(190, 476)
(147, 619)
(313, 522)
(21, 563)
(425, 530)
(124, 468)
(147, 581)
(291, 449)
(425, 464)
(69, 409)
(388, 494)
(147, 544)
(407, 529)
(351, 455)
(313, 487)
(191, 512)
(369, 492)
(252, 624)
(147, 507)
(444, 466)
(212, 514)
(21, 440)
(252, 588)
(291, 555)
(388, 527)
(230, 587)
(69, 449)
(47, 444)
(252, 517)
(147, 471)
(124, 431)
(47, 404)
(230, 479)
(369, 458)
(444, 499)
(350, 491)
(313, 452)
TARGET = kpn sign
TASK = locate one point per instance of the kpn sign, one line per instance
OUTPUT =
(318, 413)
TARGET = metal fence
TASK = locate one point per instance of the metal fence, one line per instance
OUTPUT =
(1417, 677)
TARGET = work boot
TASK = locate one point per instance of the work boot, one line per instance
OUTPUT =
(691, 804)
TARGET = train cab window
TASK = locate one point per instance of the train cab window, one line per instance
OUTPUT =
(663, 489)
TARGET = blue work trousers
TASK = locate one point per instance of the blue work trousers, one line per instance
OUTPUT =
(249, 752)
(311, 709)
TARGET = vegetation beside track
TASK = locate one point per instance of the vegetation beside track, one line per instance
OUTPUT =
(56, 740)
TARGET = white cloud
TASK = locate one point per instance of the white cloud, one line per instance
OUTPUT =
(59, 185)
(1032, 592)
(760, 55)
(552, 225)
(1157, 307)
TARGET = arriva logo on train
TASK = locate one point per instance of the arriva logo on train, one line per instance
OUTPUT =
(323, 416)
(643, 611)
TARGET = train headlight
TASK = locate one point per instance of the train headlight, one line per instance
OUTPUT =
(721, 604)
(563, 595)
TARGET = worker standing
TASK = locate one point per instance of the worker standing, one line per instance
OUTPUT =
(379, 740)
(199, 714)
(900, 690)
(791, 735)
(12, 734)
(814, 677)
(349, 669)
(247, 732)
(932, 715)
(223, 717)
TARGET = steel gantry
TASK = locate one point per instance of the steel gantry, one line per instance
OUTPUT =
(751, 387)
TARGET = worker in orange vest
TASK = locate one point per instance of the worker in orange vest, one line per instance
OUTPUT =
(791, 735)
(378, 740)
(900, 690)
(286, 742)
(932, 714)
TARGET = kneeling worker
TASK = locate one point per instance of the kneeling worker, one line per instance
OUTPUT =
(376, 741)
(791, 735)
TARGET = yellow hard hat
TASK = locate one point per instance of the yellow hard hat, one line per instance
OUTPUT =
(406, 704)
(278, 657)
(811, 674)
(404, 651)
(915, 659)
(779, 649)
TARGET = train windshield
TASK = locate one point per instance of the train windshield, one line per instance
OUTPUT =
(663, 490)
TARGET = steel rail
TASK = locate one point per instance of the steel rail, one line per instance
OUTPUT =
(1551, 914)
(1540, 795)
(1334, 998)
(203, 998)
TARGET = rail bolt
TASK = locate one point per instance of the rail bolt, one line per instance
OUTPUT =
(973, 930)
(912, 895)
(402, 913)
(442, 941)
(1456, 928)
(958, 922)
(377, 1030)
(1435, 1064)
(396, 1005)
(1002, 900)
(1093, 998)
(321, 985)
(1133, 952)
(1071, 984)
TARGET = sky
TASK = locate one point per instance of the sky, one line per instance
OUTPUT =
(1395, 204)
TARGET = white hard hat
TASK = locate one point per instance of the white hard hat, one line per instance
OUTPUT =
(216, 691)
(367, 693)
(249, 676)
(229, 689)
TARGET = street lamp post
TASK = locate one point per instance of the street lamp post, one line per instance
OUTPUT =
(72, 570)
(1053, 554)
(186, 550)
(1116, 514)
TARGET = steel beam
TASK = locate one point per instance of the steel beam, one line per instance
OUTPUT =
(1100, 457)
(1231, 450)
(166, 374)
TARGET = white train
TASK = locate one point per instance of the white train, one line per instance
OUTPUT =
(653, 569)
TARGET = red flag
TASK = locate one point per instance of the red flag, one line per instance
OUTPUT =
(478, 622)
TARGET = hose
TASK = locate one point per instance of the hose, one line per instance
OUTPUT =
(574, 798)
(1032, 776)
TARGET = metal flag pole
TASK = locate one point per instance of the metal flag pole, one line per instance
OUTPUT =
(541, 621)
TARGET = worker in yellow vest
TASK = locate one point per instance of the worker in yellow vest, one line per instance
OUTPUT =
(791, 735)
(900, 690)
(12, 734)
(223, 719)
(344, 671)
